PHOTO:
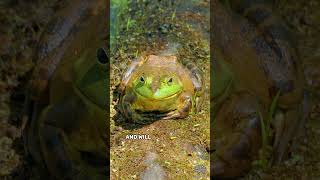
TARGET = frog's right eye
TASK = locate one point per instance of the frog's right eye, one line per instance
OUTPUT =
(170, 81)
(141, 79)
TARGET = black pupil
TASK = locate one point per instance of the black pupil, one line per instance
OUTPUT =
(141, 79)
(170, 80)
(102, 56)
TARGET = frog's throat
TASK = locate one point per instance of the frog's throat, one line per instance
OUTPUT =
(159, 99)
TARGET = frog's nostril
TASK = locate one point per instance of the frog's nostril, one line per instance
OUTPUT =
(154, 87)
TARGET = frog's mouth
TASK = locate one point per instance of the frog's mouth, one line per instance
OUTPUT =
(158, 95)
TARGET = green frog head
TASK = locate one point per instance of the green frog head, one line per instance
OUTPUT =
(157, 86)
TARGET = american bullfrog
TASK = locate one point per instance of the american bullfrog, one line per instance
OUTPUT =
(67, 132)
(158, 86)
(254, 61)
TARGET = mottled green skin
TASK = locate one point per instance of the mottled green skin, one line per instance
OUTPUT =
(158, 85)
(67, 127)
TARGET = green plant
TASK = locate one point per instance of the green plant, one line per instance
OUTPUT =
(266, 133)
(117, 10)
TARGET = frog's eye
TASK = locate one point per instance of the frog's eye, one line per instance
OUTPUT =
(170, 81)
(102, 56)
(141, 79)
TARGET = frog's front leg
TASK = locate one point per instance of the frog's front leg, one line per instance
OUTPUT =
(130, 113)
(184, 107)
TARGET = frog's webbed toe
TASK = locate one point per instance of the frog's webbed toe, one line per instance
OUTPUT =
(237, 136)
(172, 115)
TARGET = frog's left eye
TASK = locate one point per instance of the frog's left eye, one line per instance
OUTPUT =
(170, 81)
(141, 79)
(102, 56)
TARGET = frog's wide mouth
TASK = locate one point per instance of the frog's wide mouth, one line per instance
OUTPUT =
(158, 96)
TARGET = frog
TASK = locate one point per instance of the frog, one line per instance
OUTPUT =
(66, 133)
(255, 65)
(158, 86)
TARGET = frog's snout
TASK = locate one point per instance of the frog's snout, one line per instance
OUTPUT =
(154, 87)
